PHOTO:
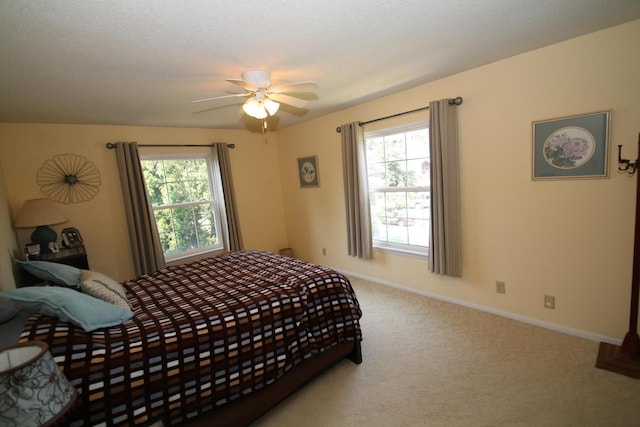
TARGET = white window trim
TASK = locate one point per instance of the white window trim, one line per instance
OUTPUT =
(219, 211)
(383, 245)
(409, 127)
(400, 248)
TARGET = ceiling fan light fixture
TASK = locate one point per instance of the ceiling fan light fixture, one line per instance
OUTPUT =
(263, 100)
(271, 106)
(254, 108)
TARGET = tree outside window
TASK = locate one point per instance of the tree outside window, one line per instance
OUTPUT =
(183, 196)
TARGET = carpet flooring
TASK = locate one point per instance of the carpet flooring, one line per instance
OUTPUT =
(432, 363)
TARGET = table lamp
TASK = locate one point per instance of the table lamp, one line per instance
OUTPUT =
(34, 391)
(40, 213)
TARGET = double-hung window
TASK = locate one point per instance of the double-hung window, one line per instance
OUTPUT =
(398, 169)
(186, 196)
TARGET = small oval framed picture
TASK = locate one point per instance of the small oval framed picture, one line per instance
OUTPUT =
(308, 171)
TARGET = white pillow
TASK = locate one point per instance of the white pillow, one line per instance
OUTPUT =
(103, 287)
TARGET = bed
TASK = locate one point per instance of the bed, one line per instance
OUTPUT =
(214, 342)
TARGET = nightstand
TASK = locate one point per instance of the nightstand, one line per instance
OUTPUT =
(76, 257)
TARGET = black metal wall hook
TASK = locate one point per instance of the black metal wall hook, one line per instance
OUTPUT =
(625, 165)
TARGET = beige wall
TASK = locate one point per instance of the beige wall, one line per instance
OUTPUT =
(572, 239)
(25, 147)
(569, 238)
(7, 280)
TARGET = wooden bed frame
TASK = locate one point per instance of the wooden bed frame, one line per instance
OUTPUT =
(244, 411)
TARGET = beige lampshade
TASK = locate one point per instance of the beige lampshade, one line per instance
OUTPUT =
(36, 212)
(34, 391)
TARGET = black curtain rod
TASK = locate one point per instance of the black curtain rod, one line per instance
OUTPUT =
(111, 145)
(455, 101)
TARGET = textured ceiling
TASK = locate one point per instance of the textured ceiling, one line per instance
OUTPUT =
(141, 62)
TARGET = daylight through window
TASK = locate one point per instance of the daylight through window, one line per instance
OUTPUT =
(398, 167)
(183, 192)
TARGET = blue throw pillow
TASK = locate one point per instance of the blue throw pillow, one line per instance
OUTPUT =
(8, 310)
(70, 306)
(60, 274)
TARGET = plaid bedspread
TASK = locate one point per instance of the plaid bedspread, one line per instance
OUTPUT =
(203, 334)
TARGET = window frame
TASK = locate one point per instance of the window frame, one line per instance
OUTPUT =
(384, 245)
(217, 203)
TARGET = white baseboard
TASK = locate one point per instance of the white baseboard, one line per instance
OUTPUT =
(530, 320)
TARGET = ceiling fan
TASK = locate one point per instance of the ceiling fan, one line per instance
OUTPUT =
(264, 99)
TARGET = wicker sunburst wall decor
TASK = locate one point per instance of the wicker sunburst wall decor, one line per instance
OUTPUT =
(69, 178)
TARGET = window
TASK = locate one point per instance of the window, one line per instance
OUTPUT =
(186, 196)
(398, 168)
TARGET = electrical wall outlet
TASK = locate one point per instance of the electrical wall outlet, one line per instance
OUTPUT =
(549, 301)
(501, 287)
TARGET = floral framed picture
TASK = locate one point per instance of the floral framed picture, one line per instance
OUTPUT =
(308, 171)
(571, 147)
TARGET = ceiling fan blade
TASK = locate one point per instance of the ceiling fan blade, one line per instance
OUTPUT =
(243, 84)
(286, 99)
(295, 87)
(222, 97)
